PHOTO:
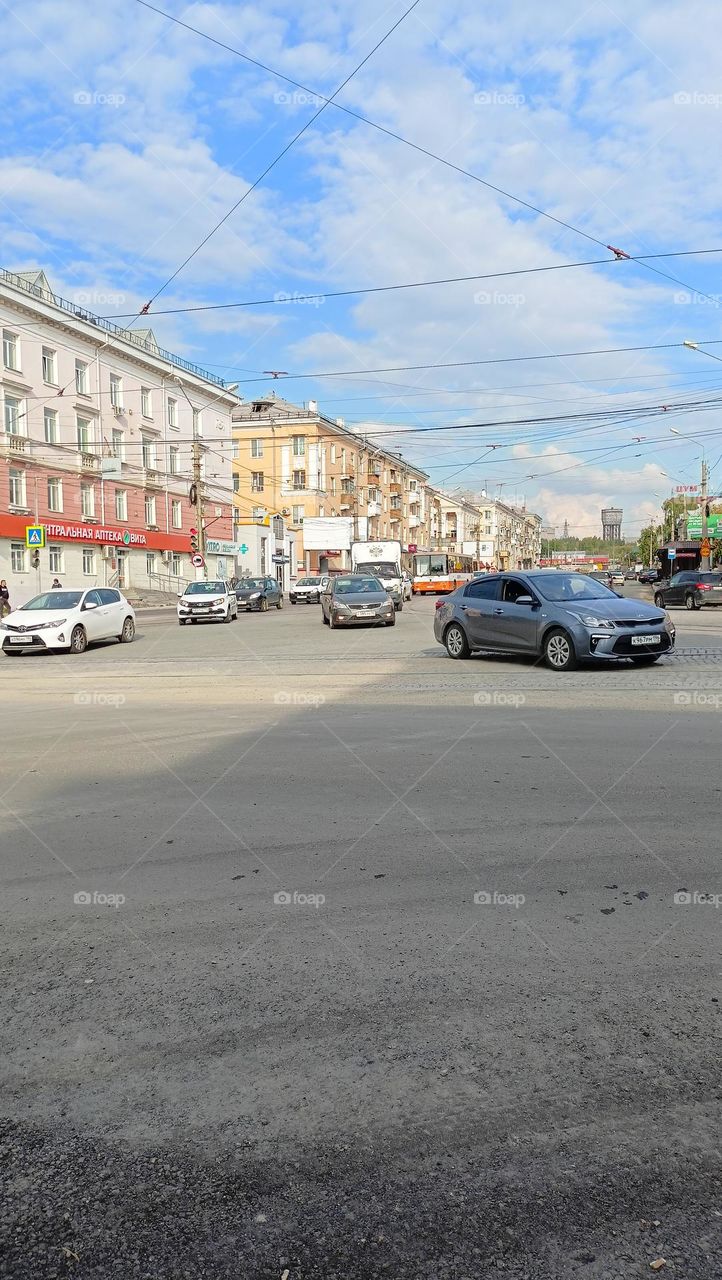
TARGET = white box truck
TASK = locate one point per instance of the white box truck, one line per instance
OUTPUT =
(383, 561)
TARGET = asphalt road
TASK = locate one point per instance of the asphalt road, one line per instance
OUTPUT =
(382, 1076)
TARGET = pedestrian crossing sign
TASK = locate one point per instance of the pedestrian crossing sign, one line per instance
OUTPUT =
(35, 535)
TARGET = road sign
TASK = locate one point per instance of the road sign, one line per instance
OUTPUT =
(672, 554)
(281, 559)
(197, 561)
(35, 535)
(705, 548)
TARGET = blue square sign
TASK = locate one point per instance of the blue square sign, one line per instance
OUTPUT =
(35, 535)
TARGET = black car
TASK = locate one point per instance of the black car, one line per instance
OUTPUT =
(258, 594)
(690, 587)
(649, 575)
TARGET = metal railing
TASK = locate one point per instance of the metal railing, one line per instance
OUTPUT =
(127, 335)
(170, 583)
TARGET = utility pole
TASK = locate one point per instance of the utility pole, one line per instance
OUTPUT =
(200, 508)
(704, 562)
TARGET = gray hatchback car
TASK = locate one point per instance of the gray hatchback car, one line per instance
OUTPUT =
(563, 617)
(354, 599)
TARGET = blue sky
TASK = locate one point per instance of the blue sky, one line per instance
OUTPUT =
(132, 137)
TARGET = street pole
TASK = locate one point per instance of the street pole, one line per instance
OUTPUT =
(704, 562)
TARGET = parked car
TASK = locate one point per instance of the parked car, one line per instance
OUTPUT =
(690, 587)
(258, 594)
(62, 619)
(356, 598)
(214, 601)
(649, 575)
(616, 578)
(562, 617)
(307, 590)
(630, 575)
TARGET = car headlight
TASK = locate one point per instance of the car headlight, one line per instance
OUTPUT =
(254, 595)
(341, 608)
(47, 626)
(590, 620)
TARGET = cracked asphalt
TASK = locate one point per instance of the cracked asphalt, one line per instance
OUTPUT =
(327, 957)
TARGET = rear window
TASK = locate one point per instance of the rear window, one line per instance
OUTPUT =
(710, 577)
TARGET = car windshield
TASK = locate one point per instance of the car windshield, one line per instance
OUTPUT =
(352, 586)
(251, 584)
(386, 569)
(206, 589)
(55, 600)
(308, 582)
(571, 586)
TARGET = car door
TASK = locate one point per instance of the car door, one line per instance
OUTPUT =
(325, 596)
(515, 626)
(476, 606)
(674, 593)
(91, 614)
(112, 611)
(271, 590)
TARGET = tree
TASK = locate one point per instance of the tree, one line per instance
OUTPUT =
(649, 539)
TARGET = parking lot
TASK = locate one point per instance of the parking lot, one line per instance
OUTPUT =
(345, 959)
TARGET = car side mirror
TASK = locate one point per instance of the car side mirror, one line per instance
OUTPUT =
(528, 600)
(90, 604)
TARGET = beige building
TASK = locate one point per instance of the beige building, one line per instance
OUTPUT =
(513, 532)
(297, 463)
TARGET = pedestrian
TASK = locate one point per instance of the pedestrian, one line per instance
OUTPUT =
(4, 599)
(56, 585)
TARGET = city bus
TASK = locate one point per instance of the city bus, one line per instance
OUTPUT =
(436, 572)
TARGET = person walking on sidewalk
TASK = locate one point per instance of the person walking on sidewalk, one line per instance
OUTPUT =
(4, 599)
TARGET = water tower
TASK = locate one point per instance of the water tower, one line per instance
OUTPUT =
(612, 524)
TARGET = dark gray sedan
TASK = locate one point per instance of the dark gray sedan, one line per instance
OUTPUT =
(356, 598)
(258, 594)
(563, 617)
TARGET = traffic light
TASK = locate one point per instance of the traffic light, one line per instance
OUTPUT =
(35, 560)
(194, 540)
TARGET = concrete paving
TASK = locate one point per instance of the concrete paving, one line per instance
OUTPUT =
(329, 957)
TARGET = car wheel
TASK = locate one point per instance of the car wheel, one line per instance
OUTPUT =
(331, 622)
(324, 619)
(78, 640)
(280, 602)
(391, 622)
(659, 599)
(128, 632)
(559, 651)
(691, 602)
(263, 606)
(181, 622)
(228, 617)
(646, 659)
(457, 645)
(399, 606)
(292, 599)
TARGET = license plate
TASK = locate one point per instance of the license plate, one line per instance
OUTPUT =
(19, 640)
(363, 613)
(646, 639)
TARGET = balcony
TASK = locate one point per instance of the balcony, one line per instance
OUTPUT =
(89, 462)
(17, 444)
(414, 522)
(396, 487)
(153, 478)
(374, 469)
(373, 509)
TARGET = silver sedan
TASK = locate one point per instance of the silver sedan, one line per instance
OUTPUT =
(354, 599)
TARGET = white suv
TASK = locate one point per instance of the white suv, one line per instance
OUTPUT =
(214, 600)
(307, 590)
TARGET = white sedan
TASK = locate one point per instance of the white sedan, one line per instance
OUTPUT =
(214, 601)
(68, 620)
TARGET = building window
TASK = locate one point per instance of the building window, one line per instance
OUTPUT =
(299, 446)
(55, 560)
(11, 350)
(14, 419)
(197, 423)
(148, 448)
(236, 448)
(150, 562)
(50, 419)
(174, 460)
(55, 494)
(116, 391)
(332, 486)
(256, 448)
(87, 500)
(17, 557)
(175, 564)
(299, 479)
(333, 453)
(176, 514)
(118, 444)
(149, 509)
(258, 513)
(50, 366)
(256, 481)
(146, 402)
(347, 485)
(297, 515)
(81, 379)
(86, 435)
(17, 487)
(236, 483)
(121, 505)
(172, 412)
(89, 561)
(264, 545)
